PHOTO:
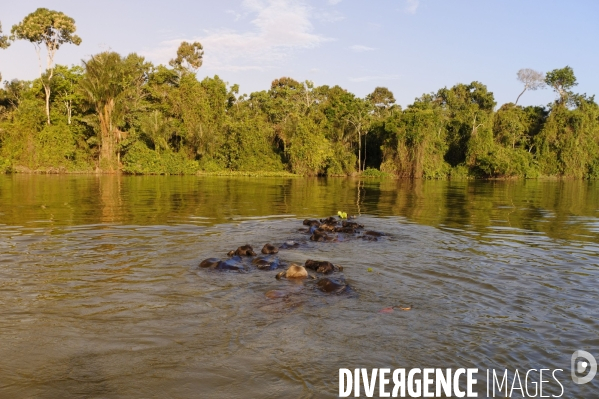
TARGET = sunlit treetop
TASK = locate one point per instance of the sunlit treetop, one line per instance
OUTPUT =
(52, 28)
(381, 97)
(4, 43)
(561, 80)
(189, 56)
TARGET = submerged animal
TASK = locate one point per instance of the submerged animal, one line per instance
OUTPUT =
(266, 264)
(244, 250)
(210, 263)
(370, 235)
(321, 237)
(373, 233)
(324, 267)
(289, 245)
(294, 271)
(269, 249)
(329, 220)
(217, 264)
(330, 285)
(311, 222)
(353, 225)
(346, 230)
(274, 294)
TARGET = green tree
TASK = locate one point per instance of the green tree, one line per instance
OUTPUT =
(110, 86)
(64, 87)
(336, 104)
(360, 117)
(14, 91)
(285, 104)
(51, 29)
(381, 98)
(249, 144)
(568, 144)
(469, 112)
(4, 43)
(189, 57)
(562, 80)
(200, 110)
(156, 129)
(415, 144)
(383, 104)
(309, 150)
(515, 126)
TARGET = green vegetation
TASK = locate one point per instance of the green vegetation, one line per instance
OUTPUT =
(52, 29)
(122, 113)
(4, 43)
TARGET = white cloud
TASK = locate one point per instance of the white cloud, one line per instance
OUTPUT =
(334, 2)
(237, 15)
(358, 48)
(279, 28)
(412, 6)
(374, 77)
(329, 17)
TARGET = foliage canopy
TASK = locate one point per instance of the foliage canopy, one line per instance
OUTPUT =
(122, 113)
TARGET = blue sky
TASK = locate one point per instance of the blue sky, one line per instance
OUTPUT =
(410, 46)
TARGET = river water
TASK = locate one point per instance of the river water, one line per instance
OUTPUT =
(101, 295)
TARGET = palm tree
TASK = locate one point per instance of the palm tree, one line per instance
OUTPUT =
(101, 87)
(112, 85)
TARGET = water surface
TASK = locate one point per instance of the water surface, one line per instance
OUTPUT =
(101, 294)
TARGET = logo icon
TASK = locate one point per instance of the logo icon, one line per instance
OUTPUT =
(579, 366)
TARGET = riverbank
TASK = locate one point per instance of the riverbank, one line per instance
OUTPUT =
(370, 173)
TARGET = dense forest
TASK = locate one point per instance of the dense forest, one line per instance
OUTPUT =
(122, 113)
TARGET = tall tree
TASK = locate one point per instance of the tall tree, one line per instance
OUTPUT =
(284, 105)
(415, 143)
(384, 107)
(111, 85)
(64, 85)
(189, 57)
(360, 118)
(51, 29)
(531, 79)
(4, 43)
(381, 97)
(469, 110)
(561, 80)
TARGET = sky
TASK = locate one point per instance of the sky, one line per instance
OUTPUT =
(411, 47)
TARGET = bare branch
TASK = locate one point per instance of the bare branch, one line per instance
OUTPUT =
(532, 80)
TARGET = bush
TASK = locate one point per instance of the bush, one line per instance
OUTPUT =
(248, 148)
(209, 164)
(342, 161)
(374, 173)
(142, 160)
(459, 172)
(505, 162)
(309, 149)
(5, 165)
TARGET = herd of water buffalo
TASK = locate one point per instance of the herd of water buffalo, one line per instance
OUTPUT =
(325, 230)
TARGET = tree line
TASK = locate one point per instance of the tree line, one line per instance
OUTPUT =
(122, 113)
